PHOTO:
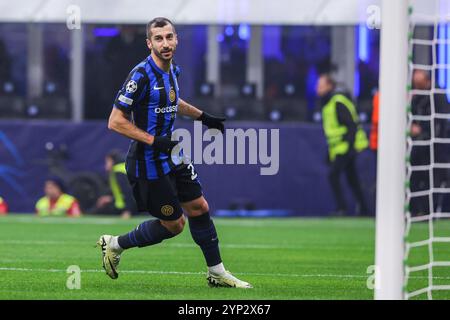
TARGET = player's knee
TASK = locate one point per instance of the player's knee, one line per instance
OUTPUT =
(203, 206)
(198, 207)
(175, 227)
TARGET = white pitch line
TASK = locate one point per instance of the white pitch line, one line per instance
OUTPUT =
(175, 245)
(189, 273)
(111, 221)
(182, 245)
(235, 222)
(99, 271)
(291, 275)
(236, 246)
(62, 220)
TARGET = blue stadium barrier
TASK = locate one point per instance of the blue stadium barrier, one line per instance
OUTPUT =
(299, 188)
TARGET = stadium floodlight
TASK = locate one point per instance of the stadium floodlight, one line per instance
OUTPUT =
(391, 167)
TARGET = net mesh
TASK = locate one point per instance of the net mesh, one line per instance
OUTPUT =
(427, 234)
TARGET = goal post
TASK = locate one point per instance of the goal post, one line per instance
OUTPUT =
(391, 168)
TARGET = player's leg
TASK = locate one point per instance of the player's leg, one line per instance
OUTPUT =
(202, 228)
(203, 231)
(205, 235)
(158, 197)
(149, 233)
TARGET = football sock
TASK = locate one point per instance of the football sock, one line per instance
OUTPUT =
(114, 244)
(146, 234)
(217, 269)
(204, 234)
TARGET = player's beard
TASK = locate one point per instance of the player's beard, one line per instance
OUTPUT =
(160, 54)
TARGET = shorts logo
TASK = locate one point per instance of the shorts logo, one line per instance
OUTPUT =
(131, 86)
(167, 210)
(172, 95)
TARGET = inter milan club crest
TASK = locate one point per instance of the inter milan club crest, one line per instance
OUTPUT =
(167, 210)
(172, 95)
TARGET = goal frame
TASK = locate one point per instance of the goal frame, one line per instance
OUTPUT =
(391, 164)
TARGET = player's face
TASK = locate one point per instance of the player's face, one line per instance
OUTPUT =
(421, 80)
(52, 190)
(109, 163)
(163, 42)
(323, 86)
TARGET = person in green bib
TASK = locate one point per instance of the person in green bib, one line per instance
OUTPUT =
(119, 200)
(345, 139)
(56, 202)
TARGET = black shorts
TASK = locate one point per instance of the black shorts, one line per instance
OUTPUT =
(162, 197)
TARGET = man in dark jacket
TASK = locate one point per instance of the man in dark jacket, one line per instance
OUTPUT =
(421, 130)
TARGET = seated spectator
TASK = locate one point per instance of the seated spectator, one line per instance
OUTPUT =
(3, 207)
(56, 202)
(119, 201)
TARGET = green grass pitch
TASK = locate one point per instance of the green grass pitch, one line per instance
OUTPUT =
(292, 258)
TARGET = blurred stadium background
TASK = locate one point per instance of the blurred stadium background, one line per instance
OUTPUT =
(258, 69)
(256, 62)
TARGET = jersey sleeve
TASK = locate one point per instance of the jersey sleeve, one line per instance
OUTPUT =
(130, 94)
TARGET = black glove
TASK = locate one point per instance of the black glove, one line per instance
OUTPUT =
(212, 122)
(164, 144)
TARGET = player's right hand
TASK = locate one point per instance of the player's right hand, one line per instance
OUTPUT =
(164, 144)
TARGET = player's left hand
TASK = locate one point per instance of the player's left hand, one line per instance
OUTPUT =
(212, 122)
(164, 144)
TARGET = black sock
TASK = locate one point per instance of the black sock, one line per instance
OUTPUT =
(204, 234)
(146, 234)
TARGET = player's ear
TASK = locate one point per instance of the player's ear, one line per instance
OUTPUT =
(149, 44)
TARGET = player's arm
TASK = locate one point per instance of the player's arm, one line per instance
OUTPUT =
(120, 122)
(189, 110)
(127, 99)
(212, 122)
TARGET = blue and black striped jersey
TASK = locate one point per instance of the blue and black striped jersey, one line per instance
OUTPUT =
(150, 95)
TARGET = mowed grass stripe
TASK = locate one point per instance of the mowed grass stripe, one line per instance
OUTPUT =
(293, 258)
(204, 273)
(282, 258)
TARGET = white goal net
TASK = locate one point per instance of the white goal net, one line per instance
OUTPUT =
(427, 232)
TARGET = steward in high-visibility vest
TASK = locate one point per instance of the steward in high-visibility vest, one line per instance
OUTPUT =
(336, 132)
(119, 200)
(119, 197)
(345, 138)
(56, 202)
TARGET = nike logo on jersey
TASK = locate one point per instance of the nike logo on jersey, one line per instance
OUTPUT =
(157, 88)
